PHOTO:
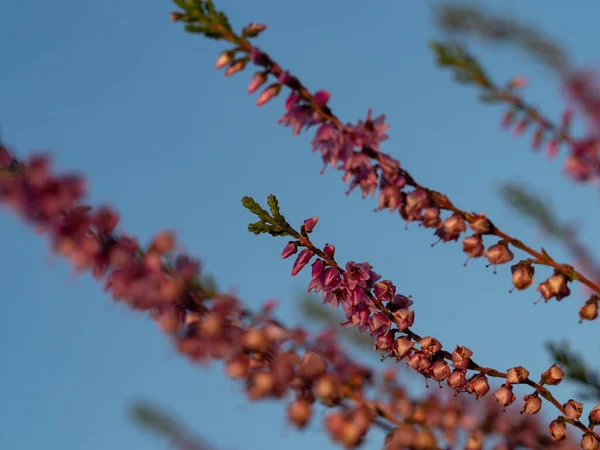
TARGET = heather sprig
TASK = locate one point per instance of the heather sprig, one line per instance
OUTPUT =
(354, 149)
(370, 304)
(583, 162)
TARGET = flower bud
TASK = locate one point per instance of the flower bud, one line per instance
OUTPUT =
(461, 356)
(290, 249)
(573, 409)
(257, 81)
(255, 340)
(176, 16)
(504, 395)
(268, 94)
(309, 224)
(404, 318)
(558, 429)
(457, 380)
(479, 386)
(553, 375)
(517, 375)
(235, 67)
(589, 442)
(451, 228)
(418, 361)
(533, 404)
(224, 59)
(522, 275)
(303, 259)
(237, 367)
(329, 250)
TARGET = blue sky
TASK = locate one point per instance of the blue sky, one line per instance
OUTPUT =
(116, 90)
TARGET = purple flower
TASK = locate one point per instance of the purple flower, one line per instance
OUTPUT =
(356, 275)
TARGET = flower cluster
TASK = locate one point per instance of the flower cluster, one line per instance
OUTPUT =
(355, 150)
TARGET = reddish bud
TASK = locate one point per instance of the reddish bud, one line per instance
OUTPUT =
(517, 375)
(290, 249)
(327, 390)
(175, 16)
(573, 409)
(268, 94)
(473, 246)
(329, 250)
(257, 81)
(255, 340)
(312, 365)
(237, 66)
(309, 224)
(303, 259)
(224, 59)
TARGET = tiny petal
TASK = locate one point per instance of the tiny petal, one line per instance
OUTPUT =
(290, 249)
(303, 258)
(268, 94)
(309, 224)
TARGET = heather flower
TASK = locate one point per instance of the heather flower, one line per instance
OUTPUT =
(384, 342)
(451, 228)
(499, 254)
(522, 275)
(594, 415)
(517, 375)
(504, 395)
(297, 117)
(384, 290)
(589, 311)
(404, 318)
(478, 385)
(312, 365)
(357, 316)
(553, 375)
(573, 409)
(379, 324)
(327, 390)
(458, 380)
(533, 404)
(461, 357)
(356, 275)
(370, 133)
(430, 345)
(402, 347)
(481, 225)
(589, 442)
(440, 370)
(558, 429)
(555, 286)
(299, 413)
(431, 217)
(419, 361)
(473, 246)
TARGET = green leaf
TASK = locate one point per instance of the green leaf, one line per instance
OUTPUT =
(259, 228)
(183, 5)
(489, 98)
(274, 206)
(251, 205)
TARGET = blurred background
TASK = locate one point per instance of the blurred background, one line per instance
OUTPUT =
(117, 91)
